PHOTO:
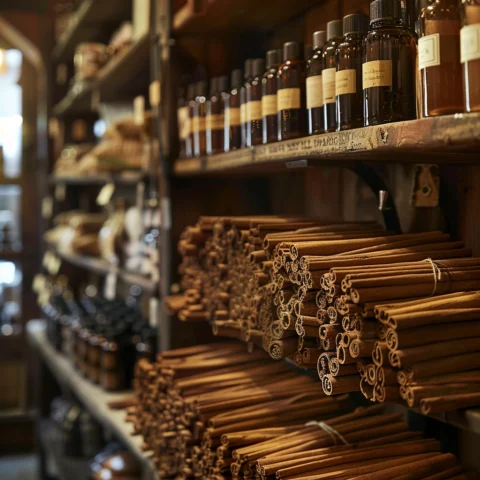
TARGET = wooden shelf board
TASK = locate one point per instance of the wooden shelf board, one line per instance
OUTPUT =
(92, 397)
(429, 140)
(126, 178)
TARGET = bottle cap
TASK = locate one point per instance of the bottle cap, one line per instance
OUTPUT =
(258, 67)
(248, 68)
(213, 86)
(355, 23)
(237, 78)
(308, 51)
(201, 89)
(274, 59)
(334, 29)
(319, 39)
(385, 9)
(222, 84)
(292, 51)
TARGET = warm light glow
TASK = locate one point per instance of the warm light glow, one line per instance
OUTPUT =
(3, 61)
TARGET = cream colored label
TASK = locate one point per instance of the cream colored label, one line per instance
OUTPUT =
(254, 111)
(377, 73)
(470, 43)
(232, 117)
(269, 105)
(199, 124)
(243, 113)
(289, 98)
(328, 81)
(314, 92)
(346, 82)
(215, 122)
(183, 123)
(429, 51)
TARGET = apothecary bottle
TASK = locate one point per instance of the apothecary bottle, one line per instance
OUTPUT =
(438, 29)
(254, 104)
(199, 117)
(470, 54)
(191, 91)
(233, 134)
(216, 116)
(388, 73)
(269, 97)
(291, 92)
(314, 85)
(334, 37)
(243, 99)
(348, 79)
(183, 122)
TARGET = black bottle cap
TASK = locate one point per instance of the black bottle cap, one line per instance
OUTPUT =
(334, 29)
(248, 68)
(292, 51)
(258, 67)
(355, 23)
(385, 9)
(307, 51)
(274, 59)
(237, 78)
(213, 86)
(201, 89)
(319, 39)
(222, 84)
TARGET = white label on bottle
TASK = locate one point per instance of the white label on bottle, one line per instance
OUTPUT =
(139, 110)
(377, 73)
(111, 286)
(315, 91)
(269, 105)
(254, 111)
(429, 51)
(243, 113)
(153, 312)
(470, 43)
(328, 80)
(232, 117)
(289, 98)
(346, 82)
(215, 122)
(183, 123)
(198, 124)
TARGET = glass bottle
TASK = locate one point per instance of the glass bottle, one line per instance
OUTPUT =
(269, 97)
(233, 134)
(191, 112)
(254, 103)
(199, 115)
(334, 37)
(348, 79)
(314, 85)
(470, 54)
(388, 74)
(439, 58)
(292, 92)
(307, 51)
(243, 99)
(216, 116)
(183, 122)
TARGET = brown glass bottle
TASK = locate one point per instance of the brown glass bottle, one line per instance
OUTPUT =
(348, 79)
(254, 104)
(470, 54)
(243, 99)
(439, 58)
(216, 116)
(314, 85)
(388, 73)
(329, 54)
(233, 133)
(269, 97)
(199, 116)
(292, 100)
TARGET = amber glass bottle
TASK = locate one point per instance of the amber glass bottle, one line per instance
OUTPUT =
(388, 74)
(199, 115)
(314, 85)
(470, 54)
(439, 58)
(243, 99)
(233, 134)
(291, 92)
(269, 97)
(348, 79)
(215, 116)
(254, 104)
(334, 37)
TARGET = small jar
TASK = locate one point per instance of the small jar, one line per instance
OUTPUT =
(470, 54)
(199, 115)
(292, 92)
(183, 120)
(315, 86)
(243, 99)
(94, 354)
(215, 116)
(329, 54)
(388, 74)
(348, 79)
(269, 97)
(440, 71)
(254, 104)
(233, 125)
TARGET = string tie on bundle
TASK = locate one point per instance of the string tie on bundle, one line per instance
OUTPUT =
(336, 436)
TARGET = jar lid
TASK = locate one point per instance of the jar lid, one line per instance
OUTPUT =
(385, 9)
(274, 58)
(319, 39)
(334, 29)
(355, 23)
(292, 51)
(222, 84)
(258, 67)
(237, 78)
(248, 68)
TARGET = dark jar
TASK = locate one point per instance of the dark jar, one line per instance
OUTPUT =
(292, 92)
(470, 54)
(314, 85)
(233, 129)
(243, 99)
(199, 120)
(254, 104)
(215, 122)
(348, 79)
(388, 74)
(112, 375)
(183, 121)
(269, 97)
(334, 37)
(439, 59)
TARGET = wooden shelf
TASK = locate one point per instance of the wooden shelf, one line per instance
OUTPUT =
(429, 140)
(125, 178)
(92, 397)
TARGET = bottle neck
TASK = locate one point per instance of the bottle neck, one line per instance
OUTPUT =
(387, 22)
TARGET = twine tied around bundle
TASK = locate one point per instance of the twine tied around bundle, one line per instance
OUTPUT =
(336, 436)
(437, 275)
